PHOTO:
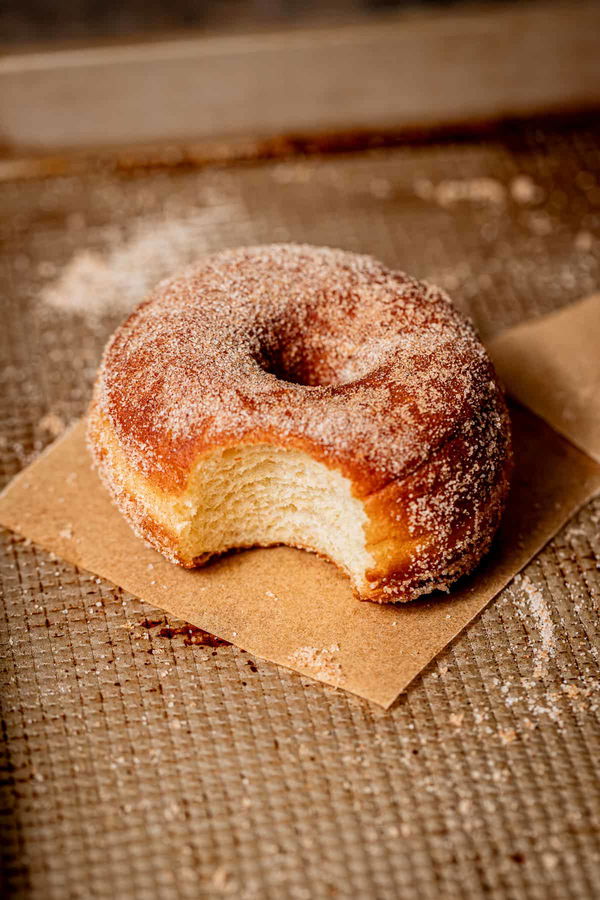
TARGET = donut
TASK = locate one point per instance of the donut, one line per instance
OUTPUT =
(306, 396)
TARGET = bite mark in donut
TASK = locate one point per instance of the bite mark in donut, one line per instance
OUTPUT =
(306, 396)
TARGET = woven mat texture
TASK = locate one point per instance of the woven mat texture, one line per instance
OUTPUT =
(141, 765)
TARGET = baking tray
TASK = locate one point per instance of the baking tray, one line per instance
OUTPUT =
(141, 761)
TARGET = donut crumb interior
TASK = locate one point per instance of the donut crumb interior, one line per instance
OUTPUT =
(261, 495)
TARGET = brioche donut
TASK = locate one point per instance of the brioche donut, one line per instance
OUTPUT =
(311, 397)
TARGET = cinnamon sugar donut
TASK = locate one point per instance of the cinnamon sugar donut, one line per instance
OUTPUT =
(305, 396)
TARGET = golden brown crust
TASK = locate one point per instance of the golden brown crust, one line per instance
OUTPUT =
(379, 377)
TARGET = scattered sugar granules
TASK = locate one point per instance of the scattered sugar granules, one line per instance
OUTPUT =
(523, 189)
(539, 611)
(584, 241)
(52, 424)
(321, 661)
(449, 191)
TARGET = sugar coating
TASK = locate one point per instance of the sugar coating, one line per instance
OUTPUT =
(388, 366)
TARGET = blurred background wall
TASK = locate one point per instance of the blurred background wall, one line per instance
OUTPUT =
(44, 20)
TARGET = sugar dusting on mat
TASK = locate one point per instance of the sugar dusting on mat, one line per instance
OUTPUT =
(482, 190)
(536, 609)
(113, 281)
(451, 191)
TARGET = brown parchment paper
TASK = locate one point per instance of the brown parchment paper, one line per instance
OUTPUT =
(292, 607)
(552, 364)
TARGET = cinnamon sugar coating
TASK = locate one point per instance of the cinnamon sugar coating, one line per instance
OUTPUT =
(369, 371)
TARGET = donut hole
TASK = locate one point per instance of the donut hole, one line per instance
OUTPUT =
(291, 365)
(316, 360)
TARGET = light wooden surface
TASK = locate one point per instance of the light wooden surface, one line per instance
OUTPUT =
(414, 70)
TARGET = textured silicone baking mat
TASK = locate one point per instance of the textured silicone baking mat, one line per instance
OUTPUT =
(137, 760)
